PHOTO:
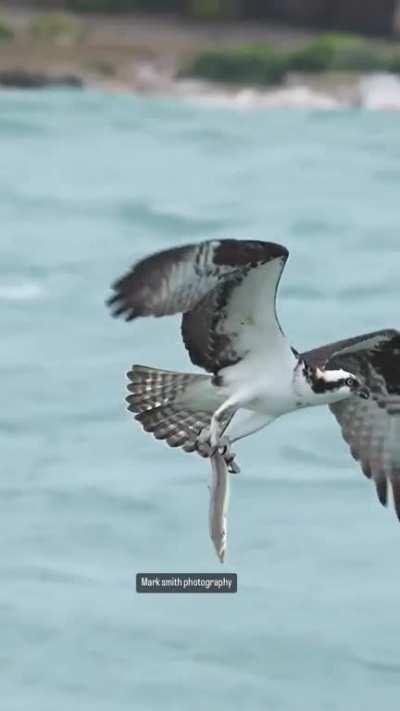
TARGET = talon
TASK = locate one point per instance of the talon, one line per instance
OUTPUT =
(229, 457)
(206, 449)
(233, 467)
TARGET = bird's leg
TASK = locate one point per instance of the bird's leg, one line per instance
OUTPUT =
(230, 422)
(244, 423)
(216, 430)
(204, 443)
(224, 447)
(211, 439)
(221, 419)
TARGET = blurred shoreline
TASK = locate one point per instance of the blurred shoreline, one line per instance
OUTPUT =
(143, 54)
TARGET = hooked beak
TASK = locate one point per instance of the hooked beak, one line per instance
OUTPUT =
(363, 392)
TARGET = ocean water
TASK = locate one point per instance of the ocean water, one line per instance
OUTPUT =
(89, 183)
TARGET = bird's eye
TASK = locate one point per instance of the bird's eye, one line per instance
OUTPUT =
(351, 382)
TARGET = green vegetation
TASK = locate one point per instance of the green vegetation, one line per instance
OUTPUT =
(212, 9)
(118, 5)
(102, 67)
(338, 52)
(395, 63)
(6, 33)
(255, 64)
(250, 64)
(56, 27)
(100, 5)
(202, 9)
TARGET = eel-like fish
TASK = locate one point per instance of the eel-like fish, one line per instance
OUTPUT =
(219, 502)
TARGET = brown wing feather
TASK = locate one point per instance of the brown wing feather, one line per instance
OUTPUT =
(370, 427)
(207, 347)
(198, 281)
(320, 356)
(175, 280)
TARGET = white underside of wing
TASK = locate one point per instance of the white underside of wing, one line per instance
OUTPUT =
(252, 304)
(263, 378)
(251, 317)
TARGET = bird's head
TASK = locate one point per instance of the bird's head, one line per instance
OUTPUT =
(318, 386)
(336, 384)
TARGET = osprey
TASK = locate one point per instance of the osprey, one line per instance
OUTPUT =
(226, 291)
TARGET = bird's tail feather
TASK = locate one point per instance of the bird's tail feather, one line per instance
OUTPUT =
(174, 407)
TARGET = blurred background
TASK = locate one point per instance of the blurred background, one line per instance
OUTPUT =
(125, 128)
(366, 15)
(153, 46)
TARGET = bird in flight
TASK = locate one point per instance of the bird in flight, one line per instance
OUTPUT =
(226, 293)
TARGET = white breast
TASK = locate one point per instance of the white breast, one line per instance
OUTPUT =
(267, 384)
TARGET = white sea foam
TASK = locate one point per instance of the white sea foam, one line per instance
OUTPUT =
(27, 291)
(380, 92)
(250, 98)
(375, 92)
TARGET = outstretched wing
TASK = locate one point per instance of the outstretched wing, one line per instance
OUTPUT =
(225, 290)
(370, 427)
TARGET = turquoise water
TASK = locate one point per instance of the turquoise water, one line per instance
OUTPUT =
(88, 184)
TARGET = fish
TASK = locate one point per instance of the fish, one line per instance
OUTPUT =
(219, 503)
